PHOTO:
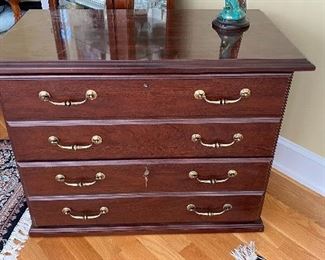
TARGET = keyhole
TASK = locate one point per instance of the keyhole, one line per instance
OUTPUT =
(146, 177)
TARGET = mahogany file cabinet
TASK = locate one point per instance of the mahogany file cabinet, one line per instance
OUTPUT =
(142, 122)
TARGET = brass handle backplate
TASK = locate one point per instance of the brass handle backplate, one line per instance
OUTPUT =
(84, 215)
(61, 178)
(192, 208)
(236, 138)
(96, 139)
(244, 93)
(195, 175)
(46, 97)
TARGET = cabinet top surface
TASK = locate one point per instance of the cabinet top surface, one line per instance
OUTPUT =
(152, 39)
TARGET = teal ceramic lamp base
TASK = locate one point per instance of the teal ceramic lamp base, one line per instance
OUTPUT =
(229, 25)
(232, 17)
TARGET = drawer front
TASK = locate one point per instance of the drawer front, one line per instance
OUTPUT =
(140, 210)
(146, 97)
(87, 177)
(156, 139)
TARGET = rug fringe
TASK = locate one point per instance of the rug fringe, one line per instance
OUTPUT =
(246, 252)
(17, 238)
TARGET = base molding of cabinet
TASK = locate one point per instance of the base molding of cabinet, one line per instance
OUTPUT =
(148, 229)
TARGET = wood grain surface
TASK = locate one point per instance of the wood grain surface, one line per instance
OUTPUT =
(3, 127)
(144, 139)
(150, 210)
(297, 196)
(144, 96)
(288, 235)
(129, 176)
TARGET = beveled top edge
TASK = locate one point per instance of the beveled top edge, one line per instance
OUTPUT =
(162, 67)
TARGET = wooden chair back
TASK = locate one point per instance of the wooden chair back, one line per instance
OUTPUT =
(120, 4)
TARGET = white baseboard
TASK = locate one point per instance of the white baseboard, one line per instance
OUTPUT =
(45, 4)
(300, 164)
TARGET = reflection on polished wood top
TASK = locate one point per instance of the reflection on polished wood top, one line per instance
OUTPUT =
(173, 39)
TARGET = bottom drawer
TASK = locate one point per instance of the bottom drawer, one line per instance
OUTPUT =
(154, 210)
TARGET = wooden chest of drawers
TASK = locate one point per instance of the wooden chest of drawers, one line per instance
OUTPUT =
(117, 129)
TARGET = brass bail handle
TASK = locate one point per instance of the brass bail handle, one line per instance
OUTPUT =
(98, 177)
(46, 97)
(95, 140)
(83, 215)
(195, 175)
(236, 138)
(244, 93)
(193, 208)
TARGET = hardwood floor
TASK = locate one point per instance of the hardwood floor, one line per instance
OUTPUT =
(288, 235)
(3, 129)
(297, 196)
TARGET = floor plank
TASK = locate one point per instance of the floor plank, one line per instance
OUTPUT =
(193, 252)
(288, 235)
(3, 128)
(301, 230)
(311, 204)
(105, 247)
(159, 247)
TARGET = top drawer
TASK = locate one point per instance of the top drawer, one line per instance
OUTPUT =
(143, 96)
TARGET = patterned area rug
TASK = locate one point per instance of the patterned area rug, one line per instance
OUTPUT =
(12, 200)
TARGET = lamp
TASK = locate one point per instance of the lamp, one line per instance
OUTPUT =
(232, 17)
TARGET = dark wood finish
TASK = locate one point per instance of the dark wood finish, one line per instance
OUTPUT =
(128, 176)
(263, 47)
(146, 114)
(14, 4)
(57, 31)
(121, 30)
(120, 4)
(138, 211)
(170, 4)
(145, 139)
(148, 229)
(163, 67)
(145, 97)
(53, 4)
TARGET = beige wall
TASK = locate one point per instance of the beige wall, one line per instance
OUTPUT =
(303, 22)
